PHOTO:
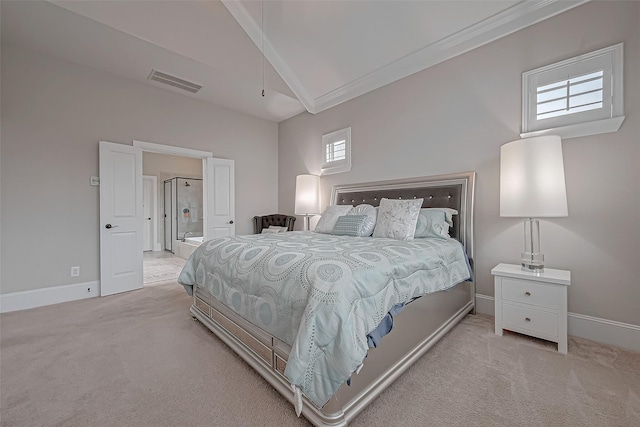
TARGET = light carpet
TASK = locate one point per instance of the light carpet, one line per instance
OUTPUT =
(138, 359)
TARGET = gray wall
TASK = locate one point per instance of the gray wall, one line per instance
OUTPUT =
(54, 113)
(453, 117)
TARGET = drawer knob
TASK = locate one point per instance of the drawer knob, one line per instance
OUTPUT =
(528, 293)
(527, 319)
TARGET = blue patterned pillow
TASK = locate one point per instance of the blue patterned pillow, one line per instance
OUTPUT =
(352, 225)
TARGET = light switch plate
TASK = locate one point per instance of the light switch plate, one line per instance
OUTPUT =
(95, 181)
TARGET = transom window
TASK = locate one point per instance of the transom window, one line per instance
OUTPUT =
(570, 96)
(336, 151)
(577, 97)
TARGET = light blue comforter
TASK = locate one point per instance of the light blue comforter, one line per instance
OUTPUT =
(322, 294)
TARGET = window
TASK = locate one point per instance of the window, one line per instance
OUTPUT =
(577, 97)
(570, 96)
(336, 151)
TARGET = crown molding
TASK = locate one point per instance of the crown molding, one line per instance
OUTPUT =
(502, 24)
(513, 19)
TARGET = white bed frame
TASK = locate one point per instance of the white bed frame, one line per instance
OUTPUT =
(436, 313)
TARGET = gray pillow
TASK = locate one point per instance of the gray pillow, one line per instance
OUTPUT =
(434, 222)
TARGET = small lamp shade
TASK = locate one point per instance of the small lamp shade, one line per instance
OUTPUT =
(532, 178)
(307, 195)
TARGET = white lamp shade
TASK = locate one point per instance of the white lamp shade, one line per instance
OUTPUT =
(307, 195)
(532, 178)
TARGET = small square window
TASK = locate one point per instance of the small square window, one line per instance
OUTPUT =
(577, 97)
(336, 151)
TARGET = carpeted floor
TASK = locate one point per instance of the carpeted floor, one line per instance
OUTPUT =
(138, 359)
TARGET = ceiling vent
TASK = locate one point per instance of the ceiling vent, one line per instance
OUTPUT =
(167, 79)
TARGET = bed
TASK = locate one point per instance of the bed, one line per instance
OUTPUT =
(268, 349)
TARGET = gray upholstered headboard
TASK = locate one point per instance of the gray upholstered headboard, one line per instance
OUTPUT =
(451, 191)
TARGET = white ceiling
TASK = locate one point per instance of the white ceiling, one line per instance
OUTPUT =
(319, 53)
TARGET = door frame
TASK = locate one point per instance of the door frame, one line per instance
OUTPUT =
(155, 246)
(151, 147)
(167, 228)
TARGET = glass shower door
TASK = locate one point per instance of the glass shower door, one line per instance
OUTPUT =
(168, 241)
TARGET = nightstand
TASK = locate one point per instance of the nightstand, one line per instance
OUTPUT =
(533, 304)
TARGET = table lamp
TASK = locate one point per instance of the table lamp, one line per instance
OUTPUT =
(307, 201)
(532, 185)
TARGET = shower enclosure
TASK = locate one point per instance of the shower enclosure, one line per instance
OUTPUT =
(182, 210)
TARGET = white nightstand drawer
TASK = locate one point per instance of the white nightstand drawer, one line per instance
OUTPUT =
(529, 292)
(530, 320)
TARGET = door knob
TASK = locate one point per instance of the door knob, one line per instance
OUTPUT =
(110, 226)
(230, 222)
(148, 219)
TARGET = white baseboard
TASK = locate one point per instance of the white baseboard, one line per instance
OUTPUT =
(47, 296)
(485, 305)
(605, 331)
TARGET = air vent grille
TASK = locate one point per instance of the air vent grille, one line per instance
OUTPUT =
(168, 79)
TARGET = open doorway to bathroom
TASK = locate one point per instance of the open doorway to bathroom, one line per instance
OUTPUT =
(178, 206)
(183, 219)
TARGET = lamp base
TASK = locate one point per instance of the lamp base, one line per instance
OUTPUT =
(532, 262)
(532, 259)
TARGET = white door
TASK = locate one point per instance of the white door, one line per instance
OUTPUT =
(219, 198)
(120, 218)
(148, 202)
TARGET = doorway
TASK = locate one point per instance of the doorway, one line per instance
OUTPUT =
(160, 267)
(121, 208)
(183, 212)
(176, 201)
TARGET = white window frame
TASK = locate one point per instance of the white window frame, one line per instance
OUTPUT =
(591, 122)
(336, 166)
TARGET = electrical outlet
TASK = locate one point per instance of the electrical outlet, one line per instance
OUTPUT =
(75, 271)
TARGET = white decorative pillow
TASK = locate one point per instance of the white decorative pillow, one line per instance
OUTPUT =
(397, 218)
(279, 228)
(371, 213)
(270, 230)
(330, 217)
(434, 222)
